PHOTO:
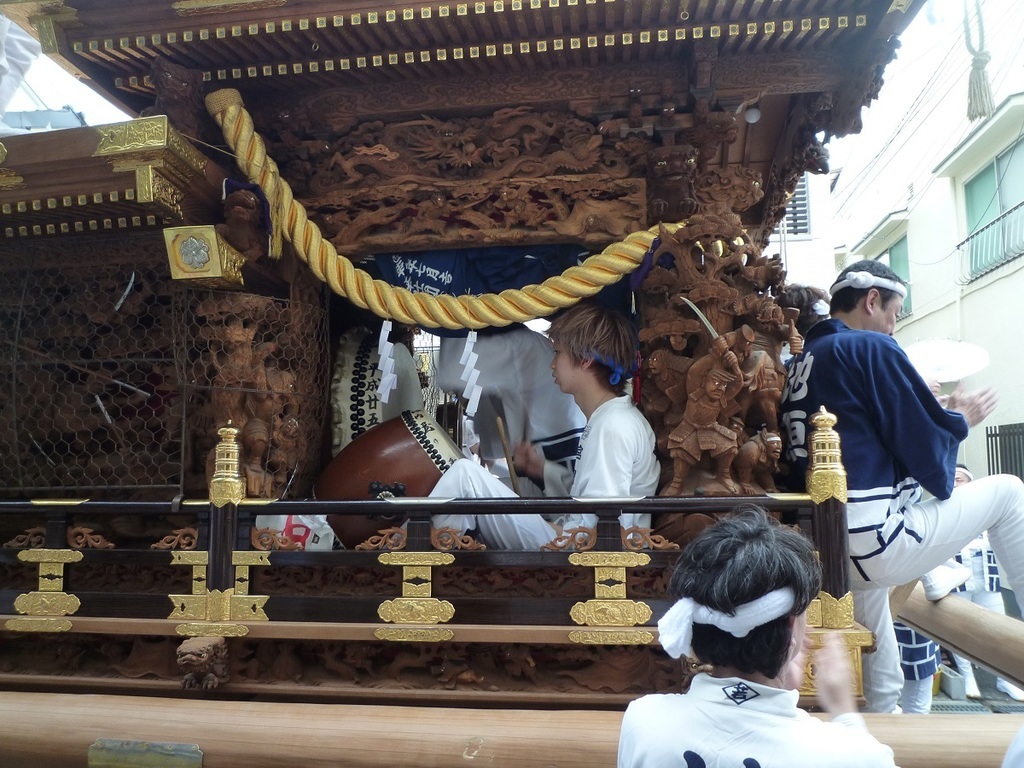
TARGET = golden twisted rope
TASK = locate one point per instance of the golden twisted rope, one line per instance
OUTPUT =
(385, 300)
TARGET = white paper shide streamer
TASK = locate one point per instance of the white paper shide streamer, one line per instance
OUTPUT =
(386, 363)
(470, 374)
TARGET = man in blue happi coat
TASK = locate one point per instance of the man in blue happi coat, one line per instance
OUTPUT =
(897, 441)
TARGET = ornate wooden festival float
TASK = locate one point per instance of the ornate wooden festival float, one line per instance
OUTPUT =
(170, 339)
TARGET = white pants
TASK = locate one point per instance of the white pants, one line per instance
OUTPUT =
(468, 480)
(993, 503)
(917, 696)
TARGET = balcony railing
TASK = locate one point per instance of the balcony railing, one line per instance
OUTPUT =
(995, 244)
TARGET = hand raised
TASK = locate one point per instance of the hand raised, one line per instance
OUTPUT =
(833, 676)
(975, 406)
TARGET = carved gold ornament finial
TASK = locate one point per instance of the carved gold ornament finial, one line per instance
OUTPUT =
(227, 485)
(826, 476)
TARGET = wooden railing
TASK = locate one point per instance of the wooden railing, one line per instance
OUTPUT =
(62, 731)
(522, 626)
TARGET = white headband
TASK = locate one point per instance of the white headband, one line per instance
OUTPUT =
(820, 307)
(675, 629)
(863, 280)
(966, 471)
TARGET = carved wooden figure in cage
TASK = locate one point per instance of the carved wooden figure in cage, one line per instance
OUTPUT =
(712, 338)
(248, 367)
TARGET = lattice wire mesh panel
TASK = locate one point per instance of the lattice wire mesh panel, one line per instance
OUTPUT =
(89, 400)
(260, 363)
(426, 347)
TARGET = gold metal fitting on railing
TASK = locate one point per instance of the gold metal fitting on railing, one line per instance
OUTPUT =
(611, 610)
(214, 612)
(826, 476)
(416, 605)
(51, 601)
(227, 485)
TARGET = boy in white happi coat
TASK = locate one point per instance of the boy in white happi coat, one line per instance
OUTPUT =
(595, 352)
(742, 589)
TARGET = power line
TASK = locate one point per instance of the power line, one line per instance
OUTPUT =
(874, 166)
(939, 76)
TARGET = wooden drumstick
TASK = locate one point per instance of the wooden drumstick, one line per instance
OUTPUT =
(508, 454)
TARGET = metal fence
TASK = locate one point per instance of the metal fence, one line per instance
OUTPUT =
(260, 363)
(113, 381)
(89, 400)
(1005, 449)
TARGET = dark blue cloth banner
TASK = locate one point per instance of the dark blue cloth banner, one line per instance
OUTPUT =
(488, 270)
(477, 270)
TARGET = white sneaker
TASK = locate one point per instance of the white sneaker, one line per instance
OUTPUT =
(942, 579)
(971, 688)
(1010, 689)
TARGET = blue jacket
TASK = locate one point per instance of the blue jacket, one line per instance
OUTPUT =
(895, 437)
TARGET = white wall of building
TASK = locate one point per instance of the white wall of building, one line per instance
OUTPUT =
(808, 258)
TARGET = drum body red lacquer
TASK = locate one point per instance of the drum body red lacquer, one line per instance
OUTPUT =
(412, 449)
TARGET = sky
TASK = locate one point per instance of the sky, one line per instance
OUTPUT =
(47, 86)
(924, 99)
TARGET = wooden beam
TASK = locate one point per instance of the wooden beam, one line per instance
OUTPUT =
(990, 639)
(56, 730)
(330, 631)
(898, 596)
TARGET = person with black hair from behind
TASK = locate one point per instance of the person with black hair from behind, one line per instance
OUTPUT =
(742, 589)
(810, 301)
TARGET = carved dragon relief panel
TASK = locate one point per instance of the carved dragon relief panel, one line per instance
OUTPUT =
(591, 210)
(515, 142)
(517, 175)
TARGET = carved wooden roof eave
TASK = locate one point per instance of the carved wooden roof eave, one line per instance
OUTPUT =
(829, 114)
(740, 64)
(284, 44)
(138, 174)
